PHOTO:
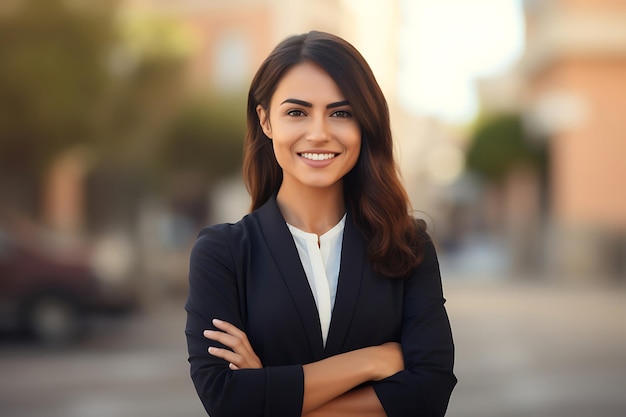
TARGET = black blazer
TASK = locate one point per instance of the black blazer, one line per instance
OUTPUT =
(249, 274)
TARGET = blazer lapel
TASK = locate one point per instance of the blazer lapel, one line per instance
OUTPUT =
(285, 255)
(348, 287)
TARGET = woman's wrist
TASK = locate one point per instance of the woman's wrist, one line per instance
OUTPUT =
(387, 360)
(371, 362)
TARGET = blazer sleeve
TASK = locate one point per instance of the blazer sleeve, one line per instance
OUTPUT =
(425, 386)
(214, 293)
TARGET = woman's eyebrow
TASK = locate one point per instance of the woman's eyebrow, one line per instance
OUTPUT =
(298, 102)
(338, 104)
(307, 104)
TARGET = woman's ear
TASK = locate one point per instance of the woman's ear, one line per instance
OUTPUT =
(264, 121)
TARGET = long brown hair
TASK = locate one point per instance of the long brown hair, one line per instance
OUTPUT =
(372, 189)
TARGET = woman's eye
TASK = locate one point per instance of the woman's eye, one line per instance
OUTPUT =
(342, 114)
(295, 113)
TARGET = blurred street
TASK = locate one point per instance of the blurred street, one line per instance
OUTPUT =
(121, 134)
(523, 349)
(133, 366)
(537, 349)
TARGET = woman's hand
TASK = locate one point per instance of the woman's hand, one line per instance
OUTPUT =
(242, 355)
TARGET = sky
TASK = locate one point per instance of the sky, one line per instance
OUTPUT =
(446, 44)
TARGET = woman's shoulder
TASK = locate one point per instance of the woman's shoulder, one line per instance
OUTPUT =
(224, 243)
(420, 234)
(241, 236)
(424, 243)
(220, 229)
(224, 231)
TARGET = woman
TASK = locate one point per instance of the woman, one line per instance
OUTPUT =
(326, 299)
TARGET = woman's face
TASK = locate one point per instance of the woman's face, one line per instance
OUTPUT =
(316, 138)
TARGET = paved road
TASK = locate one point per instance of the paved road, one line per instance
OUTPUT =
(522, 350)
(134, 367)
(538, 350)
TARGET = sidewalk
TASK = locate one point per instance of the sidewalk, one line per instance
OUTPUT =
(522, 350)
(538, 349)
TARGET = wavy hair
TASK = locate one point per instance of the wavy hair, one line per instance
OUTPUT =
(373, 192)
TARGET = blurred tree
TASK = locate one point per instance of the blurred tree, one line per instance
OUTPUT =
(203, 144)
(75, 73)
(498, 143)
(148, 88)
(206, 137)
(84, 74)
(52, 71)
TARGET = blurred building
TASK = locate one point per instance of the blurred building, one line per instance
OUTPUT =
(570, 88)
(230, 38)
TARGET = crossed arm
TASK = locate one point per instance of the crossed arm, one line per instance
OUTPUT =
(329, 383)
(330, 387)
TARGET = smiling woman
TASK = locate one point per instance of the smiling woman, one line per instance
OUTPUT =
(315, 138)
(326, 299)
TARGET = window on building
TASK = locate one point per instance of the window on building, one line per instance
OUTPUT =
(231, 63)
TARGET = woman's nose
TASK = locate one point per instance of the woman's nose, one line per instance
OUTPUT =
(317, 129)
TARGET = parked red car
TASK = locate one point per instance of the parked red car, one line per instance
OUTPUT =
(50, 291)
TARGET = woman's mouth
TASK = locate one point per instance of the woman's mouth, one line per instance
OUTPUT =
(318, 156)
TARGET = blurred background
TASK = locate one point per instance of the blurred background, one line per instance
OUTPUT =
(121, 129)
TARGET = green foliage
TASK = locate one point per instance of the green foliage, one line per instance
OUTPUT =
(499, 143)
(78, 74)
(51, 72)
(206, 137)
(72, 74)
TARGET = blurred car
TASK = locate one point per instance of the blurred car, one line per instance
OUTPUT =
(50, 290)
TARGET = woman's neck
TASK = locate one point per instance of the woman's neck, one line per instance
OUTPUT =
(313, 210)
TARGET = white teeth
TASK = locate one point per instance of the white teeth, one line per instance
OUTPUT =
(318, 156)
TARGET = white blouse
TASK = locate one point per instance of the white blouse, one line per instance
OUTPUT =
(321, 265)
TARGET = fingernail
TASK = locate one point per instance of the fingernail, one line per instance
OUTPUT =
(217, 321)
